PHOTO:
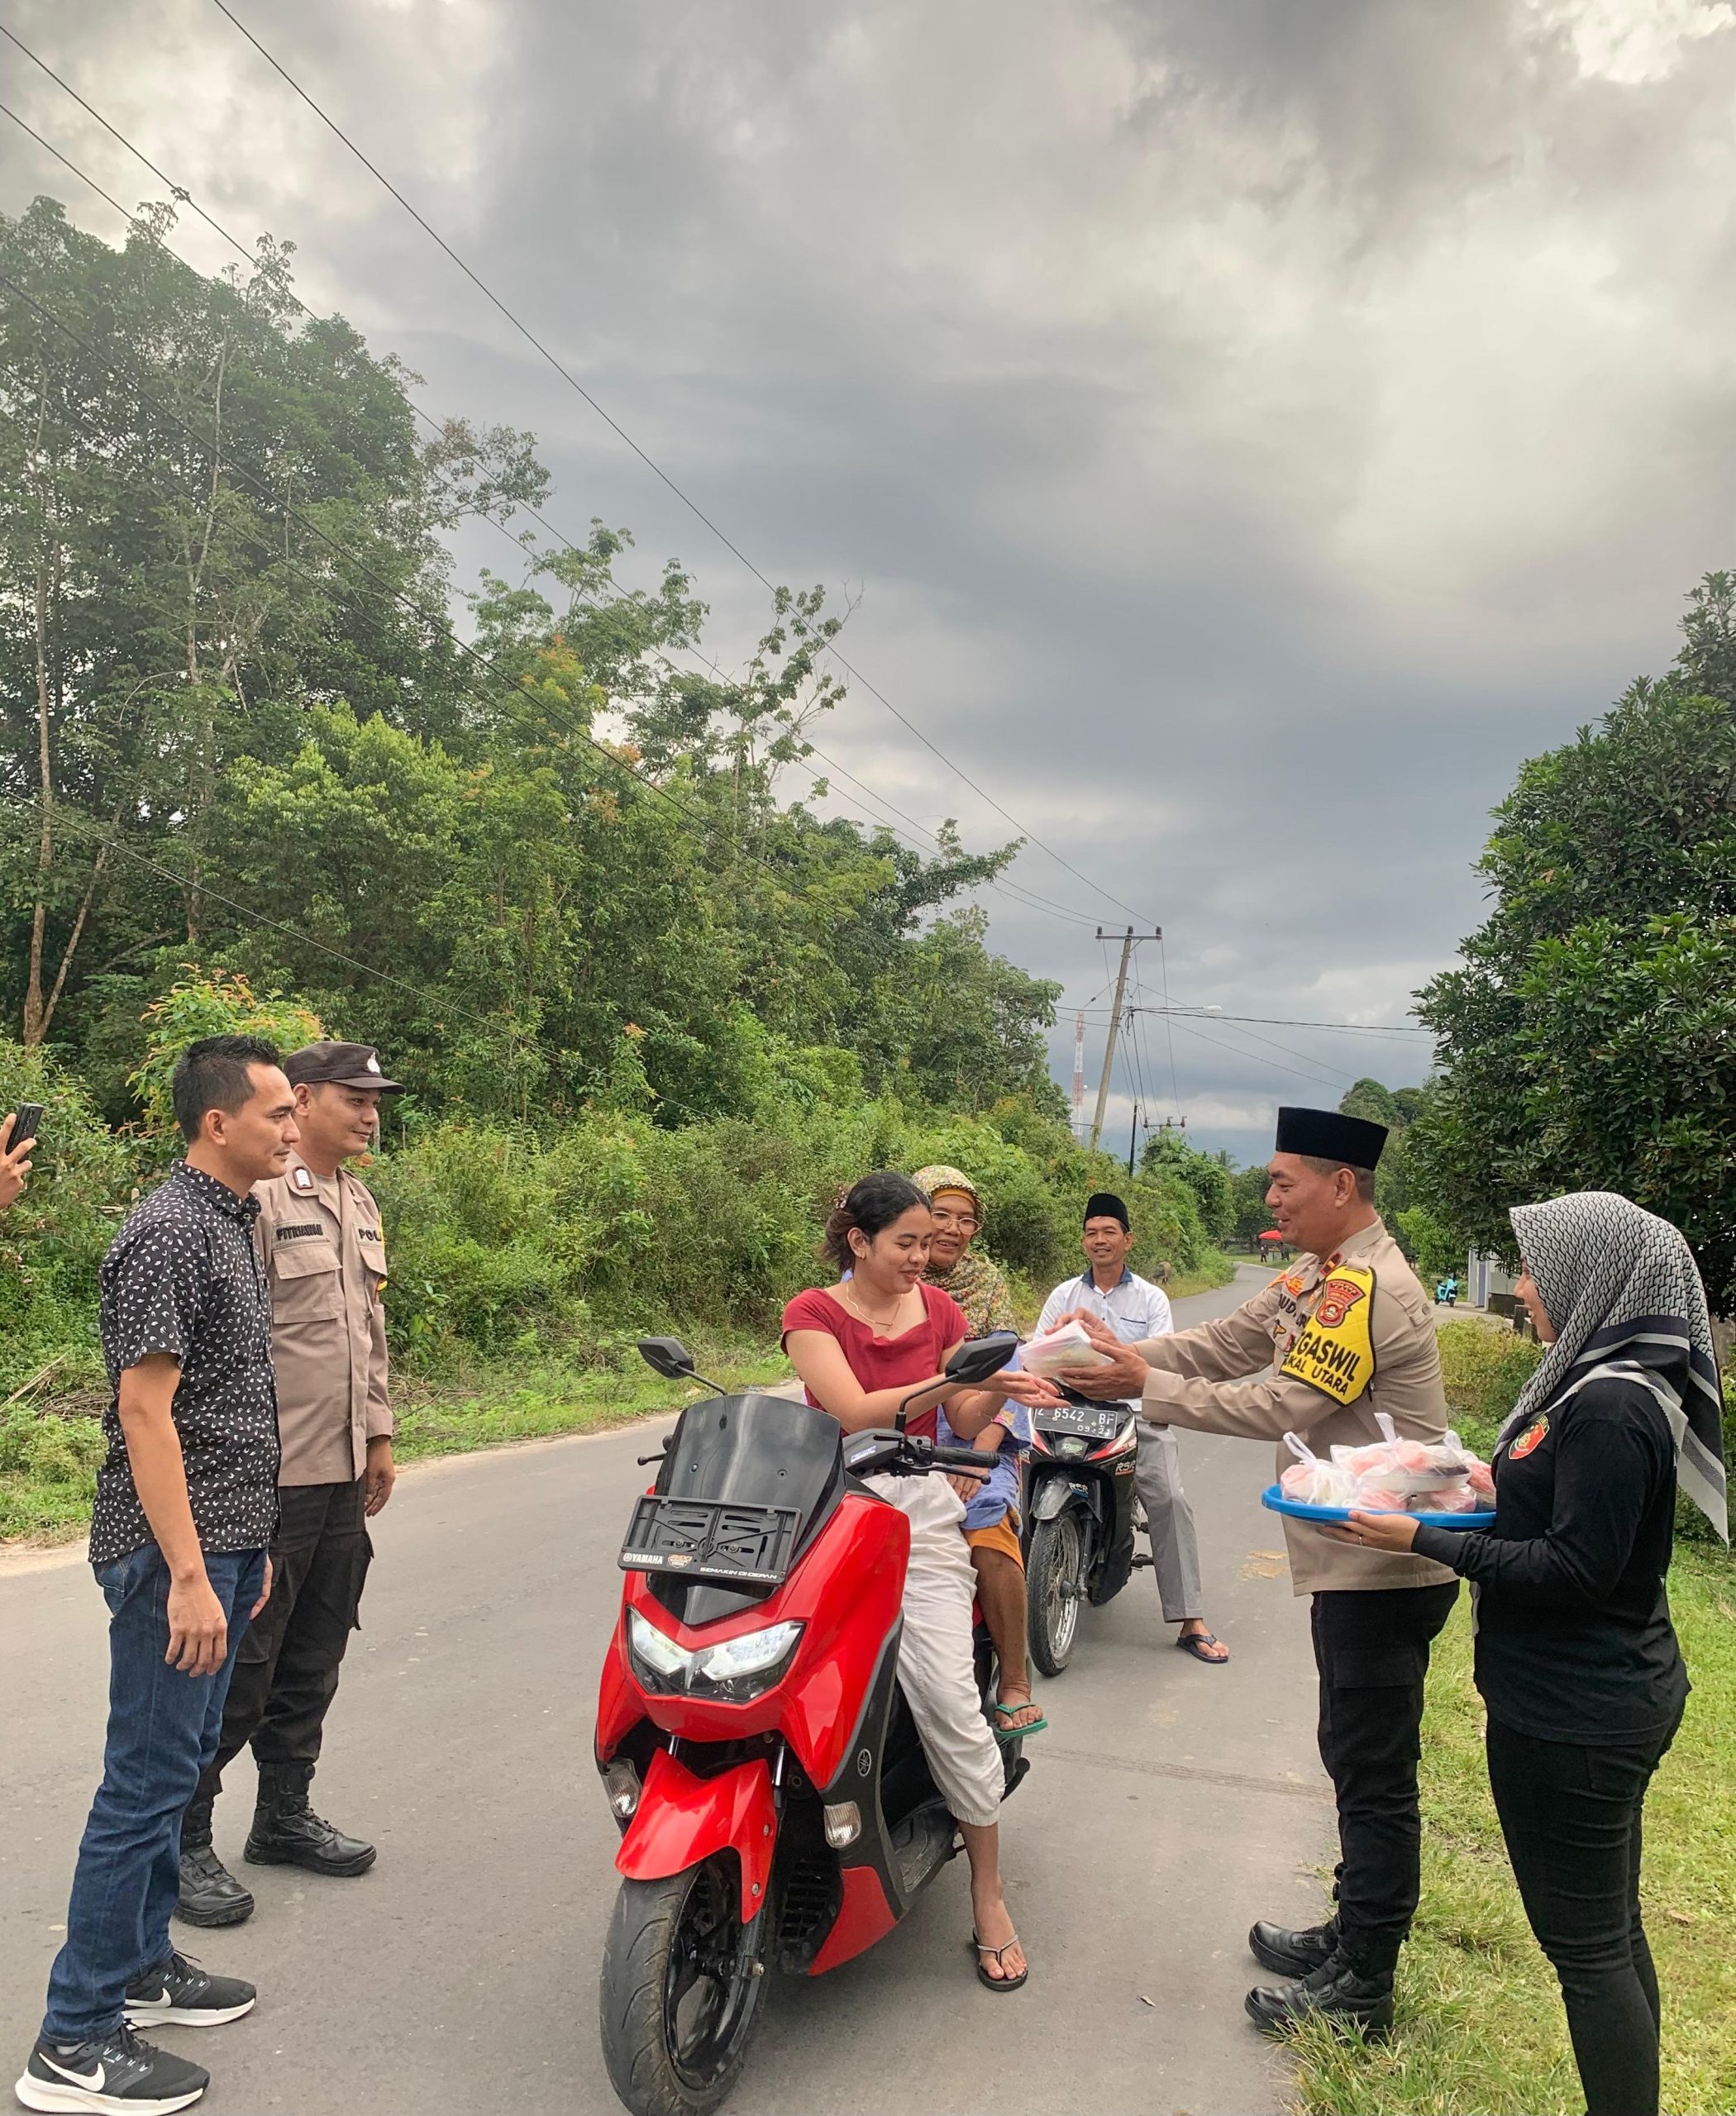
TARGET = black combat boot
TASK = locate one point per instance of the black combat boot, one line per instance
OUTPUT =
(287, 1832)
(210, 1893)
(1337, 1991)
(1292, 1954)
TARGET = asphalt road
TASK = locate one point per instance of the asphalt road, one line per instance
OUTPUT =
(1168, 1806)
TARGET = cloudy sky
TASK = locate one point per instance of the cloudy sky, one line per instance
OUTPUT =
(1248, 427)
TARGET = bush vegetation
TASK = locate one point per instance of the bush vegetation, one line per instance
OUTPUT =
(537, 1250)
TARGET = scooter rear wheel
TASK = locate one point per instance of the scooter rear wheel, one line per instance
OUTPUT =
(1055, 1587)
(680, 1995)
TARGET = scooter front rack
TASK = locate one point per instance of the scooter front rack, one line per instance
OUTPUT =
(711, 1539)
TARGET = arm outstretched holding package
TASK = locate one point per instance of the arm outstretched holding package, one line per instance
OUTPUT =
(1345, 1333)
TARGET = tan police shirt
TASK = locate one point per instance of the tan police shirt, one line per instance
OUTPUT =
(319, 1238)
(1198, 1378)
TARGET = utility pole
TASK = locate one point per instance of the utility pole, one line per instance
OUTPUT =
(1129, 939)
(1133, 1138)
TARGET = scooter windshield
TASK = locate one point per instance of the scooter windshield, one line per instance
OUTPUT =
(752, 1450)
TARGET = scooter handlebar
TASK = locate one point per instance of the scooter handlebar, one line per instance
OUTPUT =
(909, 1455)
(963, 1458)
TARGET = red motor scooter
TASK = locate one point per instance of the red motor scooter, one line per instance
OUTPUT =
(775, 1806)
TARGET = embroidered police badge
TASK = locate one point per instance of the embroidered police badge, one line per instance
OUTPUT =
(1335, 1351)
(1530, 1440)
(302, 1179)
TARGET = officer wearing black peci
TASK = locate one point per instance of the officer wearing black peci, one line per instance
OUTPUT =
(1345, 1333)
(320, 1240)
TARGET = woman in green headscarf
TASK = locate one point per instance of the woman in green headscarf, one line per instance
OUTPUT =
(991, 1514)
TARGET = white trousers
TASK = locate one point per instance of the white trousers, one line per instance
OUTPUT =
(935, 1663)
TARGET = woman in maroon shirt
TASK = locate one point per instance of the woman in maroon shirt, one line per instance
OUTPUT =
(862, 1347)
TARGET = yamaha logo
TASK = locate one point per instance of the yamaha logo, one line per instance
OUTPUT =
(864, 1762)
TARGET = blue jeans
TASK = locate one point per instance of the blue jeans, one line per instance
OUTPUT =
(163, 1730)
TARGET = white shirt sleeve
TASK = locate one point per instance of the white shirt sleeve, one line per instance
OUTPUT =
(1160, 1319)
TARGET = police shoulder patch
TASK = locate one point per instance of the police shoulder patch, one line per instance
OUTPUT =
(1335, 1350)
(1530, 1440)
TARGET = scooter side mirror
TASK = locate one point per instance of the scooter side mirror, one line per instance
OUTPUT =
(669, 1356)
(975, 1361)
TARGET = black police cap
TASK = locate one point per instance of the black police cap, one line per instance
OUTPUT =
(1329, 1135)
(1105, 1205)
(339, 1065)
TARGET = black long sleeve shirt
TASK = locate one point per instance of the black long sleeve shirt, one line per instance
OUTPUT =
(1574, 1642)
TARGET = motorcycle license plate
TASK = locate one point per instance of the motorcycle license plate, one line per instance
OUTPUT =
(711, 1539)
(1095, 1421)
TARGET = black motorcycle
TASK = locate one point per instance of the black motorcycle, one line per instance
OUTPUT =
(1080, 1513)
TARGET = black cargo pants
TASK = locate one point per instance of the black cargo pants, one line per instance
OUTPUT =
(286, 1670)
(1372, 1653)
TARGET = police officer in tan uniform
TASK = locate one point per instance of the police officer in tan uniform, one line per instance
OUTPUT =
(1345, 1333)
(320, 1240)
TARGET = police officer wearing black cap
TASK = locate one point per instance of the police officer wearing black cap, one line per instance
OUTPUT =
(1345, 1333)
(320, 1240)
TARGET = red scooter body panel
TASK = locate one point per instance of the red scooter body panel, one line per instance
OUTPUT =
(864, 1916)
(846, 1592)
(682, 1819)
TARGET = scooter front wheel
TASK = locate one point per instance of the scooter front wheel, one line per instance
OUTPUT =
(1055, 1586)
(680, 1991)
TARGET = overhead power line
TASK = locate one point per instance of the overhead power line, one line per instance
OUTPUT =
(1015, 892)
(656, 469)
(1276, 1021)
(1319, 1077)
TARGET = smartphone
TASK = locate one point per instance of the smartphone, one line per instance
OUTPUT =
(28, 1117)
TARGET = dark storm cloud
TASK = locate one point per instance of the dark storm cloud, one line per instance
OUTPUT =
(1251, 427)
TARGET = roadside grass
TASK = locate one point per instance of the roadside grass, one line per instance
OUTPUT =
(51, 1435)
(1480, 2031)
(494, 1405)
(49, 1455)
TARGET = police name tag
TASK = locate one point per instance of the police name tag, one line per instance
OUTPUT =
(1335, 1351)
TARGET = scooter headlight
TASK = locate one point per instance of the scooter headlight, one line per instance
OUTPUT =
(734, 1671)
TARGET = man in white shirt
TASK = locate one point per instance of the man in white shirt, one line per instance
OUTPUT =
(1135, 1309)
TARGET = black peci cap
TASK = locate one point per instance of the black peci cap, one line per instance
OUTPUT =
(1329, 1135)
(339, 1065)
(1105, 1205)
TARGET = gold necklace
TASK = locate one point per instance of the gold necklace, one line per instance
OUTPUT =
(862, 1315)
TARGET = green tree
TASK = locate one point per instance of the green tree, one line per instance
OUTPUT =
(1207, 1176)
(235, 728)
(1589, 1039)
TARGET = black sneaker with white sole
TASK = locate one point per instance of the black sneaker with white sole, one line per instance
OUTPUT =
(114, 2075)
(178, 1993)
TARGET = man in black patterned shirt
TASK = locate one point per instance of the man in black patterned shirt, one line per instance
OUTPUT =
(185, 1510)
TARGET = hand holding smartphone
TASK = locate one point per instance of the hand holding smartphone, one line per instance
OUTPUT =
(19, 1140)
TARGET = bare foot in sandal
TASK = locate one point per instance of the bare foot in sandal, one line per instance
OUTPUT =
(1016, 1712)
(1000, 1958)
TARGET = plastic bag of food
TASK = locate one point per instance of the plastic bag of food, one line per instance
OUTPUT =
(1064, 1351)
(1390, 1474)
(1311, 1480)
(1456, 1498)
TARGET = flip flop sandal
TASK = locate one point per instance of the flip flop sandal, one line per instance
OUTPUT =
(1010, 1733)
(1191, 1642)
(998, 1983)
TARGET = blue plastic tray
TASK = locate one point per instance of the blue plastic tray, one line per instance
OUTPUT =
(1272, 1498)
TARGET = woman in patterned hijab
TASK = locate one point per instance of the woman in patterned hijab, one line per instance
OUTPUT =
(1623, 1295)
(1576, 1657)
(991, 1511)
(975, 1281)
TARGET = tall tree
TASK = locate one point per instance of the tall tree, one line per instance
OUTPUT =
(1589, 1039)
